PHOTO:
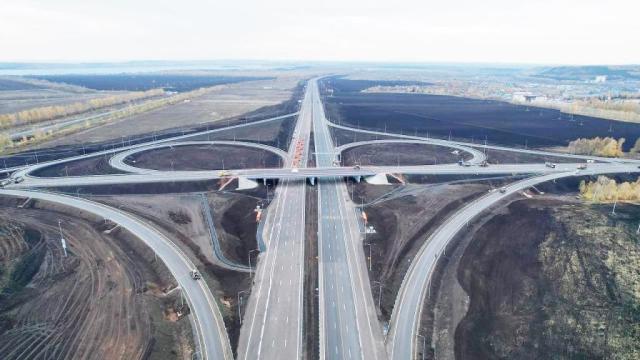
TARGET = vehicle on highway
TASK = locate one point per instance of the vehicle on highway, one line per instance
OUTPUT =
(18, 180)
(5, 182)
(582, 167)
(195, 275)
(294, 170)
(224, 173)
(356, 167)
(463, 163)
(484, 163)
(550, 165)
(503, 190)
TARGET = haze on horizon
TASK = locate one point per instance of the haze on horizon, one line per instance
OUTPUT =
(495, 31)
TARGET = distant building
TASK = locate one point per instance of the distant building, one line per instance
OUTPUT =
(600, 79)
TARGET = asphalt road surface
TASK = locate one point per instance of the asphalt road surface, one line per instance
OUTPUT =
(349, 328)
(272, 326)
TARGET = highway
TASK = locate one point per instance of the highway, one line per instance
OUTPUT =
(319, 172)
(349, 327)
(273, 321)
(26, 170)
(405, 320)
(212, 335)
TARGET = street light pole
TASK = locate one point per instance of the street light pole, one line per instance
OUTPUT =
(240, 305)
(370, 245)
(424, 344)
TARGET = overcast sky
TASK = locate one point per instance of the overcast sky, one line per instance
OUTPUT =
(503, 31)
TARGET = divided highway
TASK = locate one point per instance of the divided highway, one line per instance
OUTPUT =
(272, 326)
(212, 335)
(349, 327)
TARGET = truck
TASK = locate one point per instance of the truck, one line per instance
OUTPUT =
(195, 275)
(550, 165)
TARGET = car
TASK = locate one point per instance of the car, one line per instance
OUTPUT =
(195, 275)
(550, 165)
(18, 180)
(582, 167)
(5, 182)
(503, 190)
(356, 167)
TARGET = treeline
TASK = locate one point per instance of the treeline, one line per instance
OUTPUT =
(7, 145)
(607, 146)
(605, 189)
(44, 113)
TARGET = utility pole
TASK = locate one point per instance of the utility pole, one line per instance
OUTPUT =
(613, 211)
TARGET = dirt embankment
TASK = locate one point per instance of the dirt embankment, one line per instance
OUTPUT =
(401, 154)
(235, 218)
(552, 278)
(204, 157)
(184, 223)
(402, 223)
(108, 298)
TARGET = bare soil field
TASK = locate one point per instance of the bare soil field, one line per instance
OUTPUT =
(510, 157)
(98, 165)
(180, 217)
(276, 133)
(227, 101)
(178, 82)
(400, 154)
(109, 298)
(204, 157)
(549, 277)
(341, 136)
(463, 118)
(16, 95)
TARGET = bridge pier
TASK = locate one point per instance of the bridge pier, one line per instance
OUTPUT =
(312, 180)
(358, 178)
